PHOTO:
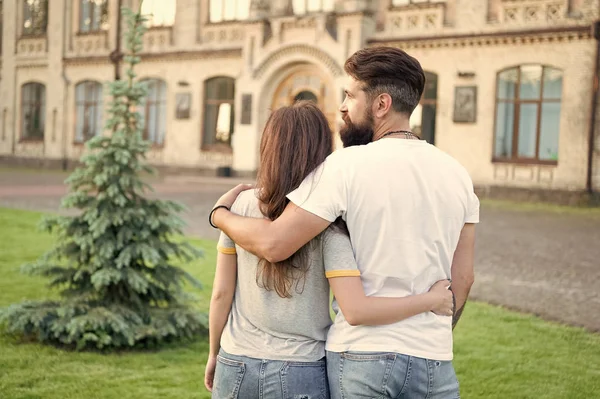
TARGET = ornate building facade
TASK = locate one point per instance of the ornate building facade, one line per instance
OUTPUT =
(511, 84)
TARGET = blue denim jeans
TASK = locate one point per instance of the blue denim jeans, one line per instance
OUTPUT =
(248, 378)
(389, 375)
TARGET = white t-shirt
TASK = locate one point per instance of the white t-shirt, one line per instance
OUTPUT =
(405, 203)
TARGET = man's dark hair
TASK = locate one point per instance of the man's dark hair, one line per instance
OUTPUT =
(388, 70)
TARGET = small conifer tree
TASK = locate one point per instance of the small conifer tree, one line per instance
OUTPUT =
(113, 262)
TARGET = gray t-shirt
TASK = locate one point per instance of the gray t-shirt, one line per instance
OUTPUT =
(263, 325)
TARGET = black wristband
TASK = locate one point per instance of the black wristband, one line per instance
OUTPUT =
(213, 211)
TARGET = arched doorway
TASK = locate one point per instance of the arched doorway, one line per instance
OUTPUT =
(306, 82)
(306, 95)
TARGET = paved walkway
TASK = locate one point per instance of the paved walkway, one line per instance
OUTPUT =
(542, 262)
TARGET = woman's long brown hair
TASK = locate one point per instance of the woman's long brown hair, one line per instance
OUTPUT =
(296, 140)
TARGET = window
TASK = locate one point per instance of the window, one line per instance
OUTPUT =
(229, 10)
(528, 113)
(218, 113)
(35, 17)
(153, 111)
(159, 12)
(307, 6)
(422, 120)
(93, 15)
(33, 111)
(88, 104)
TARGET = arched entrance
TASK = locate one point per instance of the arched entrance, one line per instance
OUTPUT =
(306, 95)
(306, 82)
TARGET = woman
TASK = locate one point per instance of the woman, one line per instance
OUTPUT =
(269, 322)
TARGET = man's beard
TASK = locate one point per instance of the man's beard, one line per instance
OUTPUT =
(357, 134)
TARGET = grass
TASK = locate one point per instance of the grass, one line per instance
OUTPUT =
(593, 211)
(499, 354)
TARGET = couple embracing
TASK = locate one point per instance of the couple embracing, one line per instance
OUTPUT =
(387, 223)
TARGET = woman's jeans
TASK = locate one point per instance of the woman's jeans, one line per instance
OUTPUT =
(389, 375)
(248, 378)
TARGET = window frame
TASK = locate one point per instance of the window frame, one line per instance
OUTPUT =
(216, 147)
(308, 12)
(516, 101)
(88, 104)
(431, 102)
(91, 30)
(158, 103)
(150, 21)
(40, 32)
(223, 20)
(41, 104)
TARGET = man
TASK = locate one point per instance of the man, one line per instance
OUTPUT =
(410, 211)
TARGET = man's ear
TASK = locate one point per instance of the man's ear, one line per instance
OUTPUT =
(383, 105)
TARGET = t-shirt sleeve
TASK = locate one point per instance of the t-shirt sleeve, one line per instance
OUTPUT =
(338, 255)
(472, 208)
(323, 192)
(226, 245)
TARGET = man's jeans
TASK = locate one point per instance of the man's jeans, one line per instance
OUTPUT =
(389, 375)
(248, 378)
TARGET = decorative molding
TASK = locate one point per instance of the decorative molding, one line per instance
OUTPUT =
(223, 33)
(532, 12)
(32, 47)
(90, 44)
(519, 174)
(414, 18)
(158, 39)
(557, 35)
(166, 56)
(303, 22)
(364, 13)
(294, 50)
(40, 64)
(417, 6)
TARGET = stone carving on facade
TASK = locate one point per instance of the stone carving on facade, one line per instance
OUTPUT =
(532, 12)
(576, 33)
(223, 34)
(158, 39)
(300, 23)
(32, 47)
(90, 44)
(524, 174)
(295, 50)
(422, 19)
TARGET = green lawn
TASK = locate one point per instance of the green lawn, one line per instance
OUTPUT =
(590, 211)
(499, 354)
